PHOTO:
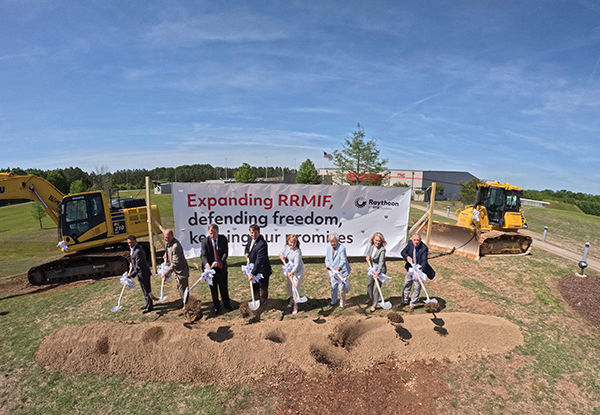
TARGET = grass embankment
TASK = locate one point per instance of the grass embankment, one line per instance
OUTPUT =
(555, 371)
(567, 228)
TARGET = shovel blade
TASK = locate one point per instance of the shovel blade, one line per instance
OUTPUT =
(116, 308)
(253, 305)
(386, 305)
(161, 299)
(432, 300)
(301, 300)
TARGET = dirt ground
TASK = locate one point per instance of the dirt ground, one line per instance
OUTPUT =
(581, 293)
(305, 365)
(374, 362)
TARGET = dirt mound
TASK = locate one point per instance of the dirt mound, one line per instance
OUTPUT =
(226, 354)
(581, 293)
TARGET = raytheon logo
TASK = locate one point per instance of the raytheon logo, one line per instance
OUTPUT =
(360, 202)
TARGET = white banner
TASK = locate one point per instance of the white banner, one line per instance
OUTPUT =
(312, 212)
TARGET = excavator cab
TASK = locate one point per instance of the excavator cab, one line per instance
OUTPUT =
(82, 218)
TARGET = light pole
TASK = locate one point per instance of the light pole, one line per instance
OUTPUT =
(225, 168)
(267, 168)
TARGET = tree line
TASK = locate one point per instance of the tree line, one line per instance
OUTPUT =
(589, 204)
(75, 180)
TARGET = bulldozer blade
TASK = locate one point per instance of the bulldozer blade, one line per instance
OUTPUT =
(455, 239)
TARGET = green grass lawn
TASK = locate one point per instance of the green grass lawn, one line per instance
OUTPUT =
(556, 371)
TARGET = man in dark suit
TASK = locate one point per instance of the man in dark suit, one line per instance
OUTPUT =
(139, 268)
(257, 253)
(417, 251)
(214, 252)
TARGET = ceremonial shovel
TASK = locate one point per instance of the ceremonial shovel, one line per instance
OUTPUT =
(254, 304)
(297, 297)
(118, 306)
(422, 277)
(162, 297)
(386, 305)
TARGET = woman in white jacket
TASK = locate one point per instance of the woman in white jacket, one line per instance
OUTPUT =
(293, 255)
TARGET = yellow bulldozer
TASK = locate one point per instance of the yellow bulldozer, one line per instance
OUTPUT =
(91, 229)
(487, 227)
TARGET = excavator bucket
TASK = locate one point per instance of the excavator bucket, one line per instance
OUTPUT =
(455, 239)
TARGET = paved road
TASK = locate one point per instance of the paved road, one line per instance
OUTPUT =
(537, 243)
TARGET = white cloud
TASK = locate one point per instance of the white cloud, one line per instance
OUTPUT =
(234, 26)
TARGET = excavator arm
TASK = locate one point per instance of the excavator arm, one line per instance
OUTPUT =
(34, 188)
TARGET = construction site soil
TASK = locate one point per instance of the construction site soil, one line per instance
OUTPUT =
(306, 365)
(581, 293)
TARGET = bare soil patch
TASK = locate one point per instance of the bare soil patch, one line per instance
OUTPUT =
(582, 293)
(210, 352)
(387, 387)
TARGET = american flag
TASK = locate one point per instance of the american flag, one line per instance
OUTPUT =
(327, 155)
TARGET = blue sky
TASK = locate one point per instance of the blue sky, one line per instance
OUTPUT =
(506, 90)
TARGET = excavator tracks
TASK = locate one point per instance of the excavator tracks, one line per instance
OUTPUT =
(89, 264)
(472, 243)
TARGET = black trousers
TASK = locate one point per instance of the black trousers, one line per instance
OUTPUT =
(261, 290)
(221, 284)
(146, 288)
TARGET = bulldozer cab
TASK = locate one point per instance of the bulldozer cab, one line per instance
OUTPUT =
(80, 214)
(497, 201)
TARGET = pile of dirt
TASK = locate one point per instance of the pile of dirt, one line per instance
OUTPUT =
(581, 293)
(210, 352)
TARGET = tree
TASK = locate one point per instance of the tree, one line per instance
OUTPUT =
(245, 174)
(358, 162)
(38, 212)
(59, 181)
(439, 189)
(307, 173)
(101, 178)
(78, 187)
(468, 191)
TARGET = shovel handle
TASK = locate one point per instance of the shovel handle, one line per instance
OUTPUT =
(252, 291)
(121, 296)
(376, 282)
(379, 289)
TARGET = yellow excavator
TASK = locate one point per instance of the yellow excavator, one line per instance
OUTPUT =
(91, 231)
(488, 227)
